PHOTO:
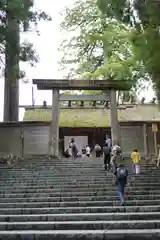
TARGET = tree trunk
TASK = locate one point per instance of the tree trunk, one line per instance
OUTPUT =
(11, 88)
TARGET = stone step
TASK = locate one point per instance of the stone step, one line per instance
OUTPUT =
(88, 163)
(54, 167)
(110, 187)
(32, 166)
(68, 168)
(86, 166)
(73, 182)
(76, 168)
(106, 175)
(80, 191)
(57, 175)
(56, 172)
(58, 197)
(58, 210)
(77, 198)
(51, 172)
(77, 178)
(78, 175)
(132, 234)
(62, 160)
(62, 194)
(67, 195)
(76, 203)
(21, 167)
(80, 225)
(81, 217)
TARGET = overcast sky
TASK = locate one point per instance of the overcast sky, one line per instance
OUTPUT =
(47, 47)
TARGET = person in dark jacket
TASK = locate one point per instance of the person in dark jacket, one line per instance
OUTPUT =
(106, 156)
(83, 151)
(74, 148)
(121, 174)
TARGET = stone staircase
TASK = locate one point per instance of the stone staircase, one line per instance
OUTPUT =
(61, 199)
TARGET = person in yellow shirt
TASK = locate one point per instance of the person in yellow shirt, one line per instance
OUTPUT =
(136, 159)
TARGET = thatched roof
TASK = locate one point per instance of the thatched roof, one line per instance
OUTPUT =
(99, 117)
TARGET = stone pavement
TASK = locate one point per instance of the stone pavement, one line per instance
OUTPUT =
(62, 199)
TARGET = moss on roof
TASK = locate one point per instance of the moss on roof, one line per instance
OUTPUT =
(95, 117)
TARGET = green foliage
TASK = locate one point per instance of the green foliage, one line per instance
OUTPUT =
(98, 35)
(28, 54)
(146, 47)
(82, 49)
(22, 12)
(119, 10)
(145, 38)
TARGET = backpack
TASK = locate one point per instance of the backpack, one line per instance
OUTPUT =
(106, 150)
(118, 150)
(121, 173)
(97, 148)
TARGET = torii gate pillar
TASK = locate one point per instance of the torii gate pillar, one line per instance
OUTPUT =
(54, 143)
(115, 128)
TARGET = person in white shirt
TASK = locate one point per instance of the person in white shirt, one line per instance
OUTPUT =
(108, 141)
(116, 156)
(88, 151)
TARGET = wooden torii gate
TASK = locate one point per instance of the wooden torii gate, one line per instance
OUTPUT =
(63, 84)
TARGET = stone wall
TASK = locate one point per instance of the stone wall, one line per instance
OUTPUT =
(33, 137)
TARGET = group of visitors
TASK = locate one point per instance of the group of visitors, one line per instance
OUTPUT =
(113, 160)
(86, 151)
(74, 151)
(112, 156)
